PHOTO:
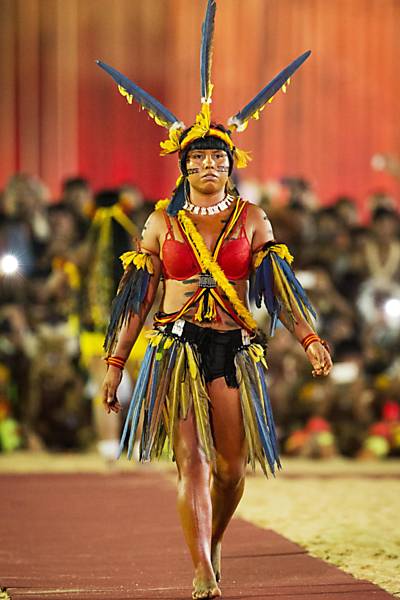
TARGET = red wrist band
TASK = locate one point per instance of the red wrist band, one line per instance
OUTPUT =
(310, 339)
(116, 361)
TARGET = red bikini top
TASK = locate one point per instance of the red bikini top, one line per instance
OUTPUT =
(234, 256)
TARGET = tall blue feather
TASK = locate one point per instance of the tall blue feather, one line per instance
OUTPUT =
(269, 90)
(151, 394)
(264, 290)
(138, 396)
(206, 51)
(268, 410)
(177, 200)
(159, 380)
(135, 406)
(128, 300)
(258, 404)
(296, 286)
(146, 101)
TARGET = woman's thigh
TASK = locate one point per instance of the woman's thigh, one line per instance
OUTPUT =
(227, 422)
(187, 451)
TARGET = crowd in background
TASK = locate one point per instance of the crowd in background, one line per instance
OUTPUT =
(351, 271)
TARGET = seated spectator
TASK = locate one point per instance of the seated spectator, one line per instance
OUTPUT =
(77, 196)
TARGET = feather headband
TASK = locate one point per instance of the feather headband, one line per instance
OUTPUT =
(176, 142)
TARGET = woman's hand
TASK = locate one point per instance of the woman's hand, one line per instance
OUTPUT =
(109, 389)
(319, 358)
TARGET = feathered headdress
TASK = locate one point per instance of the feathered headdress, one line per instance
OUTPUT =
(178, 140)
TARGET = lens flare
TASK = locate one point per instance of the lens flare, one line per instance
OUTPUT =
(392, 308)
(9, 264)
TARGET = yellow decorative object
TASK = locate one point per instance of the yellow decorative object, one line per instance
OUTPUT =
(153, 115)
(168, 343)
(206, 315)
(202, 128)
(152, 333)
(242, 158)
(127, 95)
(171, 145)
(141, 260)
(105, 214)
(193, 368)
(162, 204)
(280, 249)
(208, 263)
(156, 339)
(285, 86)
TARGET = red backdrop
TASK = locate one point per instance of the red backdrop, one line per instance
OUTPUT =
(61, 115)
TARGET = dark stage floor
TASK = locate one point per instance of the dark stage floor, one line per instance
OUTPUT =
(117, 536)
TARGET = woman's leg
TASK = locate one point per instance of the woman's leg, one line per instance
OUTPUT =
(229, 473)
(194, 505)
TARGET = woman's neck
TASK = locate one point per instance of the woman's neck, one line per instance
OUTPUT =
(201, 199)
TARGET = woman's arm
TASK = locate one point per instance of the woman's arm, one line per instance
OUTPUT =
(131, 328)
(317, 354)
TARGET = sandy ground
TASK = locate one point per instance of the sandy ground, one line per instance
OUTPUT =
(344, 512)
(351, 522)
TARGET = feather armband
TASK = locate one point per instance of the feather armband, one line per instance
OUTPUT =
(132, 291)
(276, 284)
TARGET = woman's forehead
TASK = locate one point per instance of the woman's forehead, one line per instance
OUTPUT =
(211, 150)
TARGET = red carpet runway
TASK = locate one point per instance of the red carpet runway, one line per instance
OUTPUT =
(90, 536)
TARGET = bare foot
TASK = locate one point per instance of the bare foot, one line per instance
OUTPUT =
(205, 585)
(216, 561)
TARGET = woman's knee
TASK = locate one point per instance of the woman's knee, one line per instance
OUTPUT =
(229, 475)
(191, 461)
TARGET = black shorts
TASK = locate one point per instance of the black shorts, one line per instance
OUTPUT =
(216, 349)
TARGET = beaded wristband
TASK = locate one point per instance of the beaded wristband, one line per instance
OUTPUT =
(116, 361)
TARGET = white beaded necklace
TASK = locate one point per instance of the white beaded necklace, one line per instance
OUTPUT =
(209, 210)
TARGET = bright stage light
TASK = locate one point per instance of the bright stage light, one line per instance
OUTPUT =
(392, 308)
(9, 264)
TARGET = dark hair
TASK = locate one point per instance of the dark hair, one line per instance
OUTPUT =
(382, 212)
(74, 182)
(106, 198)
(208, 142)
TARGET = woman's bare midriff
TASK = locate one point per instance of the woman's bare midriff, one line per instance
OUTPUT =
(176, 293)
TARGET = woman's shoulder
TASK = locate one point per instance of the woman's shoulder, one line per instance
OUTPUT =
(157, 217)
(255, 214)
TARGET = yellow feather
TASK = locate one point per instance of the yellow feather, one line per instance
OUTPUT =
(185, 398)
(156, 339)
(168, 343)
(141, 260)
(199, 312)
(280, 249)
(193, 368)
(123, 92)
(162, 204)
(174, 392)
(249, 418)
(242, 158)
(201, 411)
(281, 287)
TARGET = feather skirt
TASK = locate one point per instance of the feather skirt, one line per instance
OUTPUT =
(171, 383)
